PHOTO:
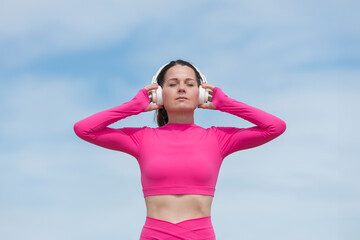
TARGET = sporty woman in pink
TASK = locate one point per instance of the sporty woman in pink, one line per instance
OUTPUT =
(179, 160)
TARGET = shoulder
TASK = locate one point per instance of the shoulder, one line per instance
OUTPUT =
(224, 130)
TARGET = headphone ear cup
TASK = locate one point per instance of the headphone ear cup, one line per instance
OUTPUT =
(159, 98)
(153, 96)
(203, 95)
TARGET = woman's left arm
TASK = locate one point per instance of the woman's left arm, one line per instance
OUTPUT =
(233, 139)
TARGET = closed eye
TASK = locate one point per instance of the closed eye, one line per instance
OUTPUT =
(171, 85)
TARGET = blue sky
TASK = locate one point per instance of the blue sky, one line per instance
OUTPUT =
(62, 61)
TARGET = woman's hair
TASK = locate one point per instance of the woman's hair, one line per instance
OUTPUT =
(162, 117)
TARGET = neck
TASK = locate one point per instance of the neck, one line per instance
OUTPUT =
(181, 118)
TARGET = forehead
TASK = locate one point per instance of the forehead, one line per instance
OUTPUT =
(179, 71)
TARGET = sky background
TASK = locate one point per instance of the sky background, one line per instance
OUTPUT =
(62, 61)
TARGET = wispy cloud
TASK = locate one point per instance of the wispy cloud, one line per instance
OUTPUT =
(62, 61)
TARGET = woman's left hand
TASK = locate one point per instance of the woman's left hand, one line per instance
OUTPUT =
(208, 105)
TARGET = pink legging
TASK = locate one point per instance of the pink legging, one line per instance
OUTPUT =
(191, 229)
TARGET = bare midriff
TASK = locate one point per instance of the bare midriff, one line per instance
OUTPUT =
(178, 207)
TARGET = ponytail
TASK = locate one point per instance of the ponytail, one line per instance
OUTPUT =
(162, 117)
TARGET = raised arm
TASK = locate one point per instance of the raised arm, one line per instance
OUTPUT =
(94, 129)
(233, 139)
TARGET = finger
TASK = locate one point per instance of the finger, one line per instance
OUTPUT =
(207, 106)
(154, 86)
(151, 86)
(206, 85)
(202, 106)
(154, 107)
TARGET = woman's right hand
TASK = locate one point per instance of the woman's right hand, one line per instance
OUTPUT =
(152, 107)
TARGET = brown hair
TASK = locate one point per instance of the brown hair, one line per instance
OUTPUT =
(161, 114)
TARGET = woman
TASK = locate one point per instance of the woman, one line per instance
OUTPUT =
(179, 160)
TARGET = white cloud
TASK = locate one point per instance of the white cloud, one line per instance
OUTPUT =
(281, 216)
(296, 176)
(44, 28)
(123, 221)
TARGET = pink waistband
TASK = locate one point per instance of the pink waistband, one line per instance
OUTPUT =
(194, 228)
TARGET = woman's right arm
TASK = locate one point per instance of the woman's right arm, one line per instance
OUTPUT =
(94, 128)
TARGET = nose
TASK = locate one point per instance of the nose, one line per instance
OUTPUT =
(181, 87)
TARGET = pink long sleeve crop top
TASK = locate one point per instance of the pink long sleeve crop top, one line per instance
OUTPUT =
(179, 158)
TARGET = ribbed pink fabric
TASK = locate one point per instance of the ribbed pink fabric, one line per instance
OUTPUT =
(179, 158)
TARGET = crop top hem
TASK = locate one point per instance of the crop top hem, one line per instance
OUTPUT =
(161, 190)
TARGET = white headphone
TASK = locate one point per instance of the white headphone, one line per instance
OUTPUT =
(157, 93)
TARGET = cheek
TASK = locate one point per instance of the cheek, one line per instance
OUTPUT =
(167, 96)
(196, 94)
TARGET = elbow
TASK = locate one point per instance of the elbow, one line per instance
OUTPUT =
(282, 126)
(279, 127)
(79, 131)
(276, 129)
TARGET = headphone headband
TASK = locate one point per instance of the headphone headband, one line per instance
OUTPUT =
(203, 78)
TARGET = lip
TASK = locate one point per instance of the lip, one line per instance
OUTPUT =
(181, 98)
